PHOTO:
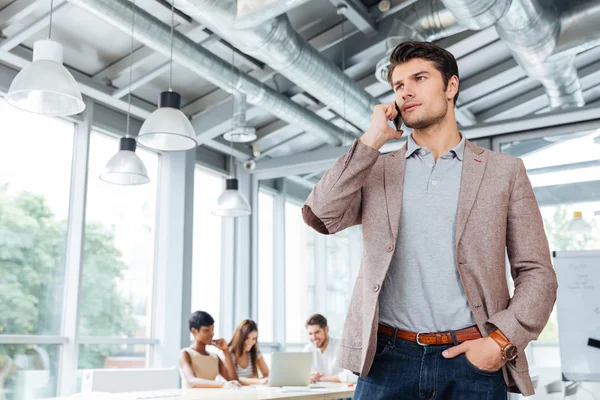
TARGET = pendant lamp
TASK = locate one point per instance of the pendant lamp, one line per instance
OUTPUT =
(45, 86)
(167, 128)
(232, 202)
(125, 167)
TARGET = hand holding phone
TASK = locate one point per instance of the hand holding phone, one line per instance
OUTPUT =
(380, 132)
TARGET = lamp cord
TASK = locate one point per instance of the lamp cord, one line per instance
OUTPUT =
(130, 68)
(232, 109)
(50, 25)
(172, 36)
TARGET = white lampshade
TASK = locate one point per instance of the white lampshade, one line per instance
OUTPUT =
(45, 86)
(241, 134)
(577, 224)
(125, 167)
(167, 128)
(232, 203)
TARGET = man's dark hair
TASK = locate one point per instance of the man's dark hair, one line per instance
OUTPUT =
(441, 58)
(199, 319)
(317, 319)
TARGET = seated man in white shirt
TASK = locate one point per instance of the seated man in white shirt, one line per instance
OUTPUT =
(325, 350)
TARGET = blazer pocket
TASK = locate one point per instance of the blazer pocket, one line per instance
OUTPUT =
(353, 346)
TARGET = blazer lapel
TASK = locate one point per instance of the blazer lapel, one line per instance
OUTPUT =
(474, 163)
(394, 167)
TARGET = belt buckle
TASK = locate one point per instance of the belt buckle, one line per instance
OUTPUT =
(417, 339)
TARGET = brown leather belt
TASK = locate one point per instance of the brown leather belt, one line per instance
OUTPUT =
(436, 338)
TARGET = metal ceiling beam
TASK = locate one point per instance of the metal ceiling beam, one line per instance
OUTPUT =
(116, 73)
(138, 83)
(475, 41)
(535, 100)
(301, 181)
(161, 69)
(204, 102)
(311, 175)
(13, 40)
(487, 81)
(17, 11)
(564, 167)
(297, 164)
(141, 55)
(369, 83)
(358, 14)
(568, 193)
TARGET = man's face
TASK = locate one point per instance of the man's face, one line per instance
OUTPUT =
(204, 334)
(421, 95)
(317, 335)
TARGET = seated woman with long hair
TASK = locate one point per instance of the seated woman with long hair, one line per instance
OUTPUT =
(246, 356)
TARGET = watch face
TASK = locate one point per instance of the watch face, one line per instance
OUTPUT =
(510, 352)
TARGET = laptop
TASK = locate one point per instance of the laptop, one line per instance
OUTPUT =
(290, 369)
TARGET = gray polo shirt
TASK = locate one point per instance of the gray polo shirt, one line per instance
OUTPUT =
(422, 291)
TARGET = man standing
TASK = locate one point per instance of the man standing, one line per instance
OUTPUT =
(431, 315)
(325, 350)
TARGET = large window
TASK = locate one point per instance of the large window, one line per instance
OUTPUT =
(118, 257)
(299, 273)
(266, 209)
(35, 171)
(206, 261)
(564, 171)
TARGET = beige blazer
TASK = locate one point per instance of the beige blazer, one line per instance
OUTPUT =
(497, 211)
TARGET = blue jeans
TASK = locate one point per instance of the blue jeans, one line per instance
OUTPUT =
(406, 370)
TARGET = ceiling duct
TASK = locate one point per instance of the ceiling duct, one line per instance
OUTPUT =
(251, 13)
(276, 43)
(425, 20)
(531, 31)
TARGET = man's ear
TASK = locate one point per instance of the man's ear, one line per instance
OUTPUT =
(194, 331)
(452, 87)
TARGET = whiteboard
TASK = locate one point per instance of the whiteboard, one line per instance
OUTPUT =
(578, 310)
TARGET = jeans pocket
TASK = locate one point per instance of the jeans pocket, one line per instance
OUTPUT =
(478, 370)
(383, 345)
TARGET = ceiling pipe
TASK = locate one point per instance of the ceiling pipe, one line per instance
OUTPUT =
(276, 43)
(531, 31)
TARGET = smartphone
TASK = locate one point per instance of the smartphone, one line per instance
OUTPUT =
(398, 119)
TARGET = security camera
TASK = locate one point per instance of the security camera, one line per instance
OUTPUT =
(249, 164)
